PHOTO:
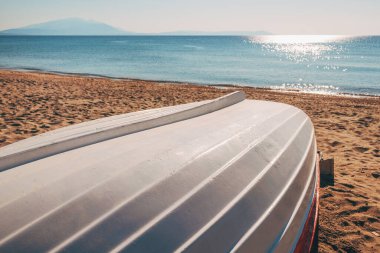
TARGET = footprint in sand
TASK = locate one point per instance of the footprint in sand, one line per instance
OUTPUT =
(372, 220)
(361, 149)
(361, 209)
(15, 124)
(326, 195)
(359, 223)
(368, 238)
(352, 202)
(335, 143)
(348, 185)
(34, 130)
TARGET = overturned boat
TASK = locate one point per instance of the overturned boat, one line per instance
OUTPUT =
(229, 174)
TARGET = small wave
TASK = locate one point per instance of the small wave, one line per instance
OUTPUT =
(194, 47)
(306, 88)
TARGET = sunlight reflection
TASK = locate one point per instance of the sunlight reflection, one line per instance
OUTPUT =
(301, 48)
(299, 39)
(307, 88)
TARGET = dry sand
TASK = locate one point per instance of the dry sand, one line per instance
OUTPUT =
(347, 129)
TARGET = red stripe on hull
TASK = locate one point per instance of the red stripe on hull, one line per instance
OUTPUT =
(308, 236)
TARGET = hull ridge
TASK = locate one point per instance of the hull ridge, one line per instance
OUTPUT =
(223, 175)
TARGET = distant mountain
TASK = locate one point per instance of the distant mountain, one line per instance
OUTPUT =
(77, 26)
(69, 26)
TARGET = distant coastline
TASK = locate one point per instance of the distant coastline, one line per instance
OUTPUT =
(82, 27)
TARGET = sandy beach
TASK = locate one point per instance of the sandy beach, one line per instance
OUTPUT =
(347, 128)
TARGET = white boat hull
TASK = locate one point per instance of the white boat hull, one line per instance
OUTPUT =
(240, 176)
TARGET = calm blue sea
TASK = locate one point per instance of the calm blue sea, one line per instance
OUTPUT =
(325, 64)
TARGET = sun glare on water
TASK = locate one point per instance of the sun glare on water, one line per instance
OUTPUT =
(320, 52)
(298, 39)
(301, 48)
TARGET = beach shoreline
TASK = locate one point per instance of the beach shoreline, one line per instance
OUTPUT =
(347, 128)
(219, 85)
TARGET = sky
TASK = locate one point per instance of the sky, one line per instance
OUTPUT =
(346, 17)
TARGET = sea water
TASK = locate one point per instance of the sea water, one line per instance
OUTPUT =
(321, 64)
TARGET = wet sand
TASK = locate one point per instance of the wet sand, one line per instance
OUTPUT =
(347, 128)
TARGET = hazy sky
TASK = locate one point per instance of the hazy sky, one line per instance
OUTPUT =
(276, 16)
